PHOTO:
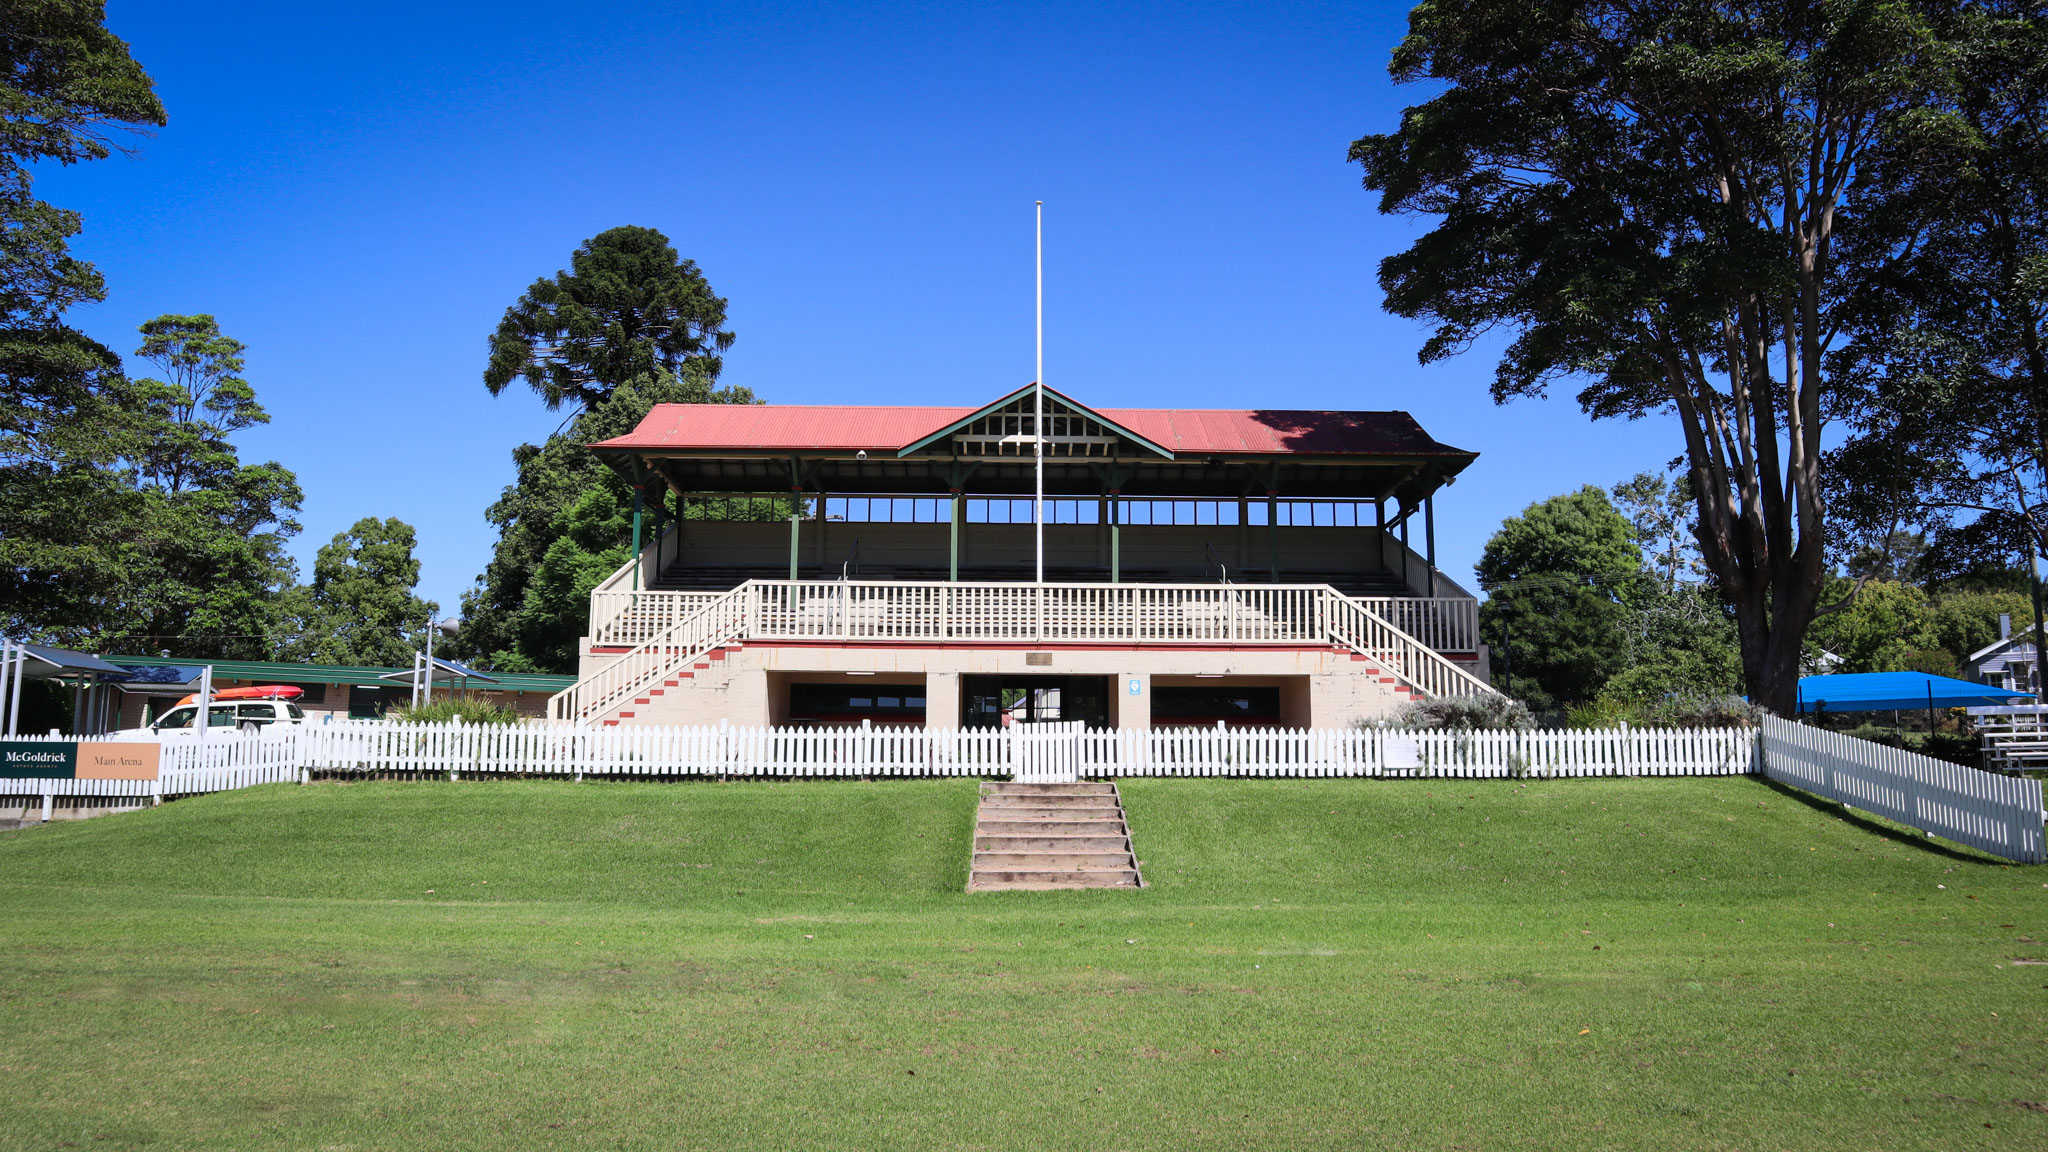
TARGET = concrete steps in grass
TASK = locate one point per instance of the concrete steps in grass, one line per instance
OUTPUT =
(1044, 836)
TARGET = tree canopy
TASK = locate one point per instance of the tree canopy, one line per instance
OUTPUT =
(1946, 340)
(1647, 197)
(627, 309)
(628, 326)
(360, 607)
(67, 85)
(1559, 579)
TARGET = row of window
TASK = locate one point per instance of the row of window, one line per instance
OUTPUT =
(988, 701)
(1139, 511)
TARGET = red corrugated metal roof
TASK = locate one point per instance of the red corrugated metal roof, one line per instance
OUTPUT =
(783, 427)
(1193, 432)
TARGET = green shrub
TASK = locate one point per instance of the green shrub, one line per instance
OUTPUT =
(1467, 713)
(1950, 746)
(472, 709)
(1687, 711)
(1604, 712)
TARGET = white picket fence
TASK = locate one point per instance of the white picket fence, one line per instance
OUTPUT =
(1036, 752)
(1998, 814)
(2001, 815)
(225, 761)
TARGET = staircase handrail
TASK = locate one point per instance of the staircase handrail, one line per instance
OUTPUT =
(646, 664)
(1422, 668)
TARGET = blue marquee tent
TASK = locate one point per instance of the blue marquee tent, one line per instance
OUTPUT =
(1870, 691)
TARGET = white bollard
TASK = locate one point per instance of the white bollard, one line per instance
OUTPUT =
(48, 800)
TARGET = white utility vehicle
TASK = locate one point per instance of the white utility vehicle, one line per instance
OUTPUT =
(232, 710)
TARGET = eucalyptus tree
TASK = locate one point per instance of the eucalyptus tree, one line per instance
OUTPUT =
(1646, 197)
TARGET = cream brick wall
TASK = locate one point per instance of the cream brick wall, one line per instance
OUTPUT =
(1321, 688)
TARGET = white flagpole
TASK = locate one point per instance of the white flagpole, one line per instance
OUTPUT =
(1038, 410)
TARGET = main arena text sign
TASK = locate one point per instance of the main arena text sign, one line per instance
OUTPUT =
(84, 760)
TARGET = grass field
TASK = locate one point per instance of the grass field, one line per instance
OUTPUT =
(1668, 964)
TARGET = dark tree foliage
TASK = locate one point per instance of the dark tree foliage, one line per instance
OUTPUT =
(1560, 580)
(627, 309)
(360, 607)
(563, 525)
(1947, 328)
(66, 85)
(1647, 197)
(628, 326)
(204, 562)
(67, 81)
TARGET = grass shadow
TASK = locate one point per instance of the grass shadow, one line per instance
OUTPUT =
(1881, 827)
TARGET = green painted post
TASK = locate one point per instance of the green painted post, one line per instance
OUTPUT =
(638, 490)
(1116, 538)
(796, 504)
(1273, 534)
(953, 540)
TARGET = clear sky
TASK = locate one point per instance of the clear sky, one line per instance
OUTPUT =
(358, 191)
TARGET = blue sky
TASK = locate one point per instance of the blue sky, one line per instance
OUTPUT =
(358, 191)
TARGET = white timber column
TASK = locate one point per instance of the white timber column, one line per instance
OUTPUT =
(942, 700)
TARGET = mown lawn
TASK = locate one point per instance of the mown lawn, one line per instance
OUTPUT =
(1668, 964)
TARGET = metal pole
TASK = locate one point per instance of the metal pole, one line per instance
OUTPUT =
(205, 700)
(1038, 411)
(6, 677)
(14, 689)
(427, 695)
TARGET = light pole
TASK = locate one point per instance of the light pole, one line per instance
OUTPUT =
(424, 683)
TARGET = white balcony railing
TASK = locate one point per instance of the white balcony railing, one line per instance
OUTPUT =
(850, 610)
(1075, 613)
(624, 619)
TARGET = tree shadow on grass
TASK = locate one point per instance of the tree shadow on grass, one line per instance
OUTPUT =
(1883, 828)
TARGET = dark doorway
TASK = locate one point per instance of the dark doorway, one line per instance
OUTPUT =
(1203, 707)
(985, 700)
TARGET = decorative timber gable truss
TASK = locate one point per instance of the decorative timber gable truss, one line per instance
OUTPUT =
(1006, 429)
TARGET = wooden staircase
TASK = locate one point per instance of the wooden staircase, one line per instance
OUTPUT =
(1043, 836)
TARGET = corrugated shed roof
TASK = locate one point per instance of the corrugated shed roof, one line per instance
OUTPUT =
(845, 427)
(332, 673)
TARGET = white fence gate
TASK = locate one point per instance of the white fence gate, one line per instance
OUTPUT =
(1049, 752)
(2001, 815)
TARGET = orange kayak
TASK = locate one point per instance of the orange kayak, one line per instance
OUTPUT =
(265, 692)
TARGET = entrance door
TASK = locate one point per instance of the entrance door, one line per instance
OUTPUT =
(1001, 701)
